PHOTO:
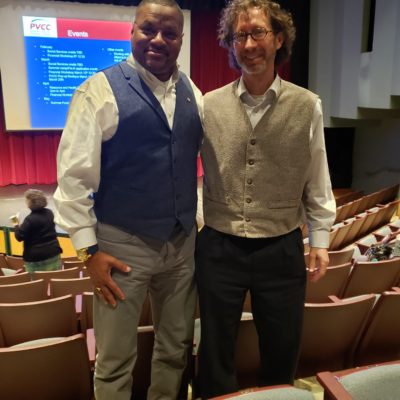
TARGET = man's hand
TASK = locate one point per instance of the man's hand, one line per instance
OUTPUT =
(99, 267)
(318, 262)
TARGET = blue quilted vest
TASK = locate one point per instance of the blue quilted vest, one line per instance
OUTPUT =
(148, 171)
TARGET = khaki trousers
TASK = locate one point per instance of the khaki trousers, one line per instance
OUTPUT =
(166, 271)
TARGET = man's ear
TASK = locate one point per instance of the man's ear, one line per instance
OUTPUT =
(278, 40)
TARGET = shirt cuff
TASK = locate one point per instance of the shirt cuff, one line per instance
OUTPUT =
(319, 239)
(84, 237)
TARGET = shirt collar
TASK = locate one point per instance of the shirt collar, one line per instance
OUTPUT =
(151, 80)
(273, 90)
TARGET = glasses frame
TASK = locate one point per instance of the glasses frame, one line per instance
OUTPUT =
(251, 33)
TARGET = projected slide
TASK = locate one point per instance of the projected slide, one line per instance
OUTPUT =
(60, 54)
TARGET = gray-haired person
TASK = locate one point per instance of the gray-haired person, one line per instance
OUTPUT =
(38, 234)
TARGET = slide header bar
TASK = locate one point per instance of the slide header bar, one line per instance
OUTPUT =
(76, 28)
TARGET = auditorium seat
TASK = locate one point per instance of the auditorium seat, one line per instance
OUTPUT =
(15, 262)
(340, 257)
(87, 311)
(23, 292)
(395, 225)
(354, 232)
(372, 277)
(280, 392)
(383, 231)
(388, 194)
(372, 200)
(48, 371)
(370, 216)
(330, 333)
(358, 206)
(338, 241)
(343, 212)
(74, 286)
(59, 274)
(67, 264)
(343, 198)
(15, 278)
(373, 382)
(384, 215)
(22, 322)
(86, 325)
(380, 340)
(331, 284)
(3, 262)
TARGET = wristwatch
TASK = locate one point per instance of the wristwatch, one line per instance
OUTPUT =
(86, 252)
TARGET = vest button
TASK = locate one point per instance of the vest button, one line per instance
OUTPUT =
(251, 162)
(253, 141)
(248, 200)
(249, 181)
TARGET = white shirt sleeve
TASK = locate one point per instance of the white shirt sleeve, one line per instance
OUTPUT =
(92, 119)
(318, 199)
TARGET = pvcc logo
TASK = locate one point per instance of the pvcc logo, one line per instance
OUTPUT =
(37, 26)
(40, 25)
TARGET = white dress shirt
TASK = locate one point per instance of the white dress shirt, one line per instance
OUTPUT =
(93, 119)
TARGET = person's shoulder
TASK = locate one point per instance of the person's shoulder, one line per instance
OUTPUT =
(92, 83)
(221, 91)
(98, 80)
(48, 211)
(298, 90)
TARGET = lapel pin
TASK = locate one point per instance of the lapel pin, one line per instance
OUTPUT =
(188, 99)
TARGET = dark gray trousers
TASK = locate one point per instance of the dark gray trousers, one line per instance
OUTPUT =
(273, 270)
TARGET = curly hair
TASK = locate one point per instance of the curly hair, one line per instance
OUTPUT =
(281, 21)
(35, 199)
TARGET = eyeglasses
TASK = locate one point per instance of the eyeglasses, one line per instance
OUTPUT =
(256, 34)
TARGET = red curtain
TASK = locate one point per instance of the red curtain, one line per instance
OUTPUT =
(30, 158)
(27, 157)
(209, 62)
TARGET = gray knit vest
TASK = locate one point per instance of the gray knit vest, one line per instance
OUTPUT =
(255, 179)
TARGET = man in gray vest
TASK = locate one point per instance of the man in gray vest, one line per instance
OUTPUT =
(127, 196)
(265, 167)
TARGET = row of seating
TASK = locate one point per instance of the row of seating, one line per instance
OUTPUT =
(9, 262)
(45, 285)
(352, 229)
(336, 335)
(343, 196)
(359, 204)
(331, 339)
(349, 280)
(324, 317)
(372, 382)
(37, 327)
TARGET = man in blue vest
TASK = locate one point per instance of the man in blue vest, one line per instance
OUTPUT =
(127, 196)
